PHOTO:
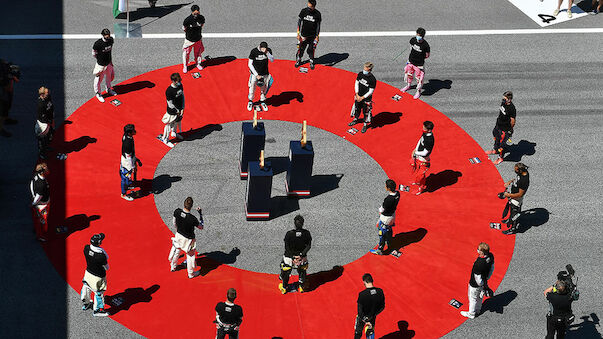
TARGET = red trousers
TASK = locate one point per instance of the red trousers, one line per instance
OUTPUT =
(41, 220)
(419, 171)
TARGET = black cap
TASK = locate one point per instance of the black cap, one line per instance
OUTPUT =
(194, 8)
(105, 31)
(97, 239)
(129, 128)
(263, 44)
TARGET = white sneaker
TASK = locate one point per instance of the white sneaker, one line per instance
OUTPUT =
(199, 67)
(195, 274)
(100, 97)
(168, 143)
(264, 106)
(111, 92)
(176, 135)
(569, 13)
(467, 314)
(249, 105)
(127, 197)
(556, 12)
(184, 69)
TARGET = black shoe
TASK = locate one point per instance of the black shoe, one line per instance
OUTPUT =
(297, 63)
(100, 313)
(10, 121)
(311, 64)
(5, 133)
(353, 122)
(509, 231)
(364, 128)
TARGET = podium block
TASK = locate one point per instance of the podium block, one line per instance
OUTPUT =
(299, 174)
(259, 187)
(252, 142)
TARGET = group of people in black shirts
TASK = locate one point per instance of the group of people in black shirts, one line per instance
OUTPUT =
(371, 301)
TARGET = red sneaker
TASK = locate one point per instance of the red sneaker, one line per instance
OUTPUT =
(490, 152)
(498, 161)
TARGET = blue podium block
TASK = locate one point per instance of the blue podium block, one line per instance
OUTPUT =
(299, 174)
(252, 142)
(259, 187)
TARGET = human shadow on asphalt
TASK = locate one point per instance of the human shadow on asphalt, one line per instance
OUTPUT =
(284, 98)
(403, 239)
(532, 218)
(435, 85)
(131, 87)
(317, 279)
(498, 302)
(517, 151)
(208, 262)
(435, 181)
(75, 145)
(385, 118)
(403, 332)
(587, 329)
(331, 59)
(154, 12)
(124, 300)
(76, 223)
(209, 61)
(161, 183)
(201, 132)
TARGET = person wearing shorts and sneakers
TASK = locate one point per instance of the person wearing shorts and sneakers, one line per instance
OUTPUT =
(193, 42)
(174, 95)
(570, 3)
(419, 51)
(95, 276)
(101, 50)
(184, 239)
(259, 75)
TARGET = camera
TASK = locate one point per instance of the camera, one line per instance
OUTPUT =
(567, 277)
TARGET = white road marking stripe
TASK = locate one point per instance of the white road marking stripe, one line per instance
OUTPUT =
(323, 34)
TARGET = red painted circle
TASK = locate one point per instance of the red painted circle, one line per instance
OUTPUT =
(433, 268)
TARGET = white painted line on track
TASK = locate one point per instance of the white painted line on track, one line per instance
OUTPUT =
(323, 34)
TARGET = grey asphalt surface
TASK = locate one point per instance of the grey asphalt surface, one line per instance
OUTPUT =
(556, 78)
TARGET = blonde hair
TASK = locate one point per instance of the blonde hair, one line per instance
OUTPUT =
(42, 90)
(40, 168)
(369, 65)
(484, 248)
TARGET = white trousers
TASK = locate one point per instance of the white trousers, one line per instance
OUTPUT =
(475, 300)
(101, 72)
(190, 259)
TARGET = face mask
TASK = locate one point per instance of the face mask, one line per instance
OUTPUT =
(177, 84)
(419, 38)
(365, 72)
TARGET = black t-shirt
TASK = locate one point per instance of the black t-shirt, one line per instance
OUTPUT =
(95, 262)
(193, 27)
(366, 82)
(371, 302)
(426, 142)
(260, 60)
(127, 145)
(418, 51)
(230, 314)
(481, 267)
(185, 223)
(45, 110)
(176, 96)
(503, 122)
(40, 186)
(103, 51)
(390, 203)
(309, 22)
(297, 242)
(521, 182)
(562, 303)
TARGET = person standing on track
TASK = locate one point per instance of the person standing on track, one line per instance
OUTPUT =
(229, 316)
(174, 95)
(363, 98)
(184, 239)
(505, 123)
(308, 29)
(371, 302)
(95, 276)
(478, 281)
(192, 27)
(517, 190)
(297, 244)
(101, 50)
(420, 159)
(419, 51)
(259, 75)
(40, 191)
(387, 216)
(44, 127)
(570, 3)
(128, 162)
